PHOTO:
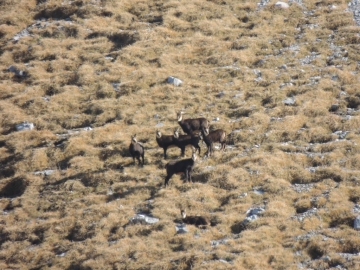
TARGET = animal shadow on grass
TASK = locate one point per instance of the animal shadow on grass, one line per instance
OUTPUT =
(130, 190)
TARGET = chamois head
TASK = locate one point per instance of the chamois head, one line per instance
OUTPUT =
(206, 131)
(133, 138)
(183, 214)
(158, 134)
(194, 157)
(179, 115)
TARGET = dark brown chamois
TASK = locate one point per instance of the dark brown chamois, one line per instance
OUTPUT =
(182, 141)
(191, 124)
(165, 141)
(136, 150)
(179, 167)
(198, 221)
(212, 137)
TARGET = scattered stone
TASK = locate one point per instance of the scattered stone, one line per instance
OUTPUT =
(242, 195)
(181, 228)
(216, 119)
(159, 124)
(356, 208)
(281, 5)
(156, 116)
(306, 214)
(334, 108)
(219, 95)
(253, 214)
(21, 34)
(257, 73)
(258, 191)
(17, 72)
(116, 86)
(144, 219)
(174, 81)
(215, 243)
(44, 172)
(289, 101)
(302, 187)
(341, 134)
(311, 169)
(283, 67)
(24, 126)
(357, 223)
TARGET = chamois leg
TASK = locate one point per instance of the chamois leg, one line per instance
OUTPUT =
(138, 158)
(223, 145)
(142, 156)
(165, 152)
(188, 175)
(198, 148)
(167, 178)
(183, 151)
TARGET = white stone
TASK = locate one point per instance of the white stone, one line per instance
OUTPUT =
(357, 223)
(44, 172)
(181, 228)
(24, 126)
(142, 218)
(174, 81)
(281, 4)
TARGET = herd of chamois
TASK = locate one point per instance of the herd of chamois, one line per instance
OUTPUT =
(197, 129)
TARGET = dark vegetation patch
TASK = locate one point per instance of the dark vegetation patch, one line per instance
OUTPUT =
(14, 187)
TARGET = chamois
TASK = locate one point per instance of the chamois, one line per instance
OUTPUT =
(182, 141)
(191, 124)
(136, 150)
(210, 138)
(198, 221)
(179, 167)
(165, 141)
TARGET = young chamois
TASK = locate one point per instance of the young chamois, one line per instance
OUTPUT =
(210, 138)
(182, 141)
(191, 124)
(198, 221)
(165, 141)
(136, 150)
(179, 167)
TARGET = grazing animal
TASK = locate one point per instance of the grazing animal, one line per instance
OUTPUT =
(182, 141)
(210, 138)
(179, 167)
(136, 150)
(191, 124)
(198, 221)
(165, 141)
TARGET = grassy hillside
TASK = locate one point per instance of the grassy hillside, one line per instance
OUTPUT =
(282, 82)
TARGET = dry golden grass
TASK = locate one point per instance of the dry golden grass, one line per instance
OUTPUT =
(104, 65)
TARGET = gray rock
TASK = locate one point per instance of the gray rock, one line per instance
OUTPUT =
(44, 172)
(17, 72)
(357, 223)
(24, 126)
(174, 81)
(143, 219)
(334, 108)
(215, 243)
(21, 34)
(289, 101)
(341, 134)
(219, 95)
(281, 4)
(116, 86)
(181, 228)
